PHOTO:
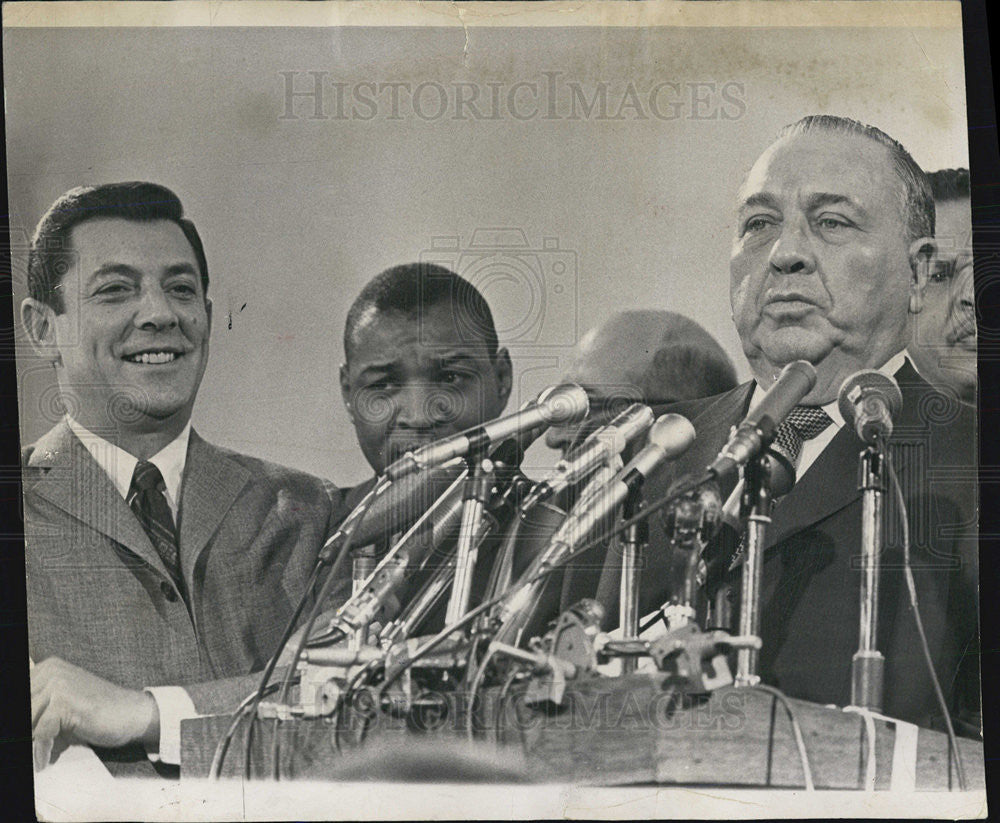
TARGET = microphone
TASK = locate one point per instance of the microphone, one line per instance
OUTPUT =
(670, 436)
(405, 501)
(795, 382)
(362, 607)
(562, 405)
(397, 508)
(601, 446)
(869, 400)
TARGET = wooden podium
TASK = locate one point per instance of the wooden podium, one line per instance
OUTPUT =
(608, 732)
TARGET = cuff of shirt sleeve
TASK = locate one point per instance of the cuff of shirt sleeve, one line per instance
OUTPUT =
(174, 705)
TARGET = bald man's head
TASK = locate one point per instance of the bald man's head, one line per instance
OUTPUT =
(648, 356)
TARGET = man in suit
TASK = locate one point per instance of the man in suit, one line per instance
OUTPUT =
(833, 248)
(944, 335)
(161, 569)
(642, 356)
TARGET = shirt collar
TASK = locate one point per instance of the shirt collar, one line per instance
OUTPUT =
(119, 465)
(832, 408)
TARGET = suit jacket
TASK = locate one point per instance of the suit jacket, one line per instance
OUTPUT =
(99, 596)
(810, 597)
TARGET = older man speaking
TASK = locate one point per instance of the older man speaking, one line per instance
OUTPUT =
(833, 245)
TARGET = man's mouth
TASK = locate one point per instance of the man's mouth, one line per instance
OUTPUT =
(963, 333)
(784, 299)
(398, 447)
(153, 358)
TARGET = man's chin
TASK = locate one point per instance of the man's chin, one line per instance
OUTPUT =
(784, 346)
(142, 411)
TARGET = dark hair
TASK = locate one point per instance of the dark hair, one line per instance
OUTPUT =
(411, 288)
(949, 184)
(917, 207)
(51, 255)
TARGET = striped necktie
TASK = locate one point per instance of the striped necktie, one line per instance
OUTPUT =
(148, 502)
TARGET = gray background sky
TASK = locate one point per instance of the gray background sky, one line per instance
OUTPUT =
(297, 214)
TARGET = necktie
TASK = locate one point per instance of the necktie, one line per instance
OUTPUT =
(803, 423)
(147, 500)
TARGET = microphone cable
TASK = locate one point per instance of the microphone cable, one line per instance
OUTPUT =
(264, 689)
(925, 648)
(380, 486)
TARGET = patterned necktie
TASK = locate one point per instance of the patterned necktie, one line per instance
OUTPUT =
(803, 423)
(147, 500)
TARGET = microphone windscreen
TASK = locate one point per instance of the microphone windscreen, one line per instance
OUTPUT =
(870, 401)
(404, 501)
(782, 474)
(856, 391)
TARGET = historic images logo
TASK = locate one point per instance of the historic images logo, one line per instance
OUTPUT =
(320, 95)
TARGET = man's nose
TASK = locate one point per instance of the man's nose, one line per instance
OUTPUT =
(966, 289)
(427, 405)
(155, 311)
(792, 252)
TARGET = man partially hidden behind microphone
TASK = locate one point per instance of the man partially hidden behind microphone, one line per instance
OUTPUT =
(642, 356)
(161, 569)
(833, 248)
(422, 362)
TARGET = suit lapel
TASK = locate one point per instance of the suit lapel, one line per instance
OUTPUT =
(822, 490)
(212, 482)
(67, 476)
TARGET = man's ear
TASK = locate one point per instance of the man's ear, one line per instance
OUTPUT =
(38, 319)
(345, 390)
(923, 255)
(208, 313)
(505, 376)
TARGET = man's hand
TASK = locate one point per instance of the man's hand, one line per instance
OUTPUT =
(65, 699)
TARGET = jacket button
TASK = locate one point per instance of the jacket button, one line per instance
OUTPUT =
(168, 592)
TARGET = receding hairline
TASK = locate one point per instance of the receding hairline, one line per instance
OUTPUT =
(744, 199)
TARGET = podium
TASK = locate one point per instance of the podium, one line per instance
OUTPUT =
(636, 729)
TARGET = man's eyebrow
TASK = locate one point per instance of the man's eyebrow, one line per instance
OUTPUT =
(823, 198)
(455, 357)
(378, 367)
(108, 269)
(111, 269)
(181, 268)
(760, 198)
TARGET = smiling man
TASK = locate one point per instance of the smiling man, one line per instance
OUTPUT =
(161, 569)
(832, 248)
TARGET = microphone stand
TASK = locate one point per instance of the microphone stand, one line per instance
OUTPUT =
(363, 564)
(755, 505)
(476, 495)
(867, 664)
(633, 548)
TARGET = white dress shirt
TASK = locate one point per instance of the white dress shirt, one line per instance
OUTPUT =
(173, 702)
